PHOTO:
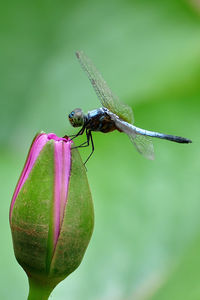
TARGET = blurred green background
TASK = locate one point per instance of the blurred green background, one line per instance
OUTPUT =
(146, 242)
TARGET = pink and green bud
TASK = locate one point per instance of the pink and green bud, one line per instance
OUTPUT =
(51, 213)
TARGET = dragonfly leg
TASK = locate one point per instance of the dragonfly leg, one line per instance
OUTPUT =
(70, 136)
(73, 136)
(89, 138)
(86, 143)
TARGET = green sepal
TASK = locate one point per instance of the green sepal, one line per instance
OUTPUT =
(31, 213)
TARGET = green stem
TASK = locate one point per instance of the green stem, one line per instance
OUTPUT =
(39, 291)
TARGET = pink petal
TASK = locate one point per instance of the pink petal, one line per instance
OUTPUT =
(62, 156)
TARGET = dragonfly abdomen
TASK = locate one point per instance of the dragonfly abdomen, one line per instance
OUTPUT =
(169, 137)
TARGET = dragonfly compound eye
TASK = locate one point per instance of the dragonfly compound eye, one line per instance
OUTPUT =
(76, 118)
(71, 115)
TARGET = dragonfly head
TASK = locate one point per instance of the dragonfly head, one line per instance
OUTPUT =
(77, 117)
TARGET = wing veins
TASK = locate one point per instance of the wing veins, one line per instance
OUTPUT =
(104, 93)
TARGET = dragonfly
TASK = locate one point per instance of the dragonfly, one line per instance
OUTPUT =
(113, 115)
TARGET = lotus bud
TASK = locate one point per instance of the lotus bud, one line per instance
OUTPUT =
(51, 214)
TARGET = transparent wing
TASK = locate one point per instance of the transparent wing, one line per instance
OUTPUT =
(105, 95)
(143, 145)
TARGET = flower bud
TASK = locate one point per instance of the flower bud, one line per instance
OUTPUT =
(51, 213)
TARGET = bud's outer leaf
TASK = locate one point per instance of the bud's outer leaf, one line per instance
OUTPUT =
(30, 215)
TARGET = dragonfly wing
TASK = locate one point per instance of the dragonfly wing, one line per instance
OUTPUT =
(104, 93)
(143, 145)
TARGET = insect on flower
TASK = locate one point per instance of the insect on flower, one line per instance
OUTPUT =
(113, 115)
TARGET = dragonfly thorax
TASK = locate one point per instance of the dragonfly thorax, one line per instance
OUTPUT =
(99, 120)
(77, 117)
